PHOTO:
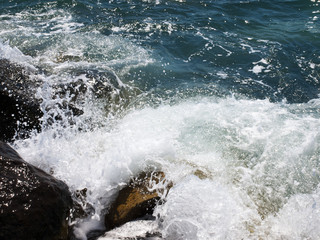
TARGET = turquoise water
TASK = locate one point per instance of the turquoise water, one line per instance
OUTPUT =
(226, 88)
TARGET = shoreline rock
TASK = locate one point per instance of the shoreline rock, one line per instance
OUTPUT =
(33, 204)
(135, 201)
(19, 109)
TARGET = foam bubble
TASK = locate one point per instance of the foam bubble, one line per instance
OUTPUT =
(257, 69)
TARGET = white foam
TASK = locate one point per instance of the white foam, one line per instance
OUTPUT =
(34, 23)
(95, 50)
(251, 49)
(262, 60)
(81, 229)
(222, 74)
(68, 48)
(204, 209)
(250, 152)
(298, 219)
(257, 69)
(136, 229)
(15, 55)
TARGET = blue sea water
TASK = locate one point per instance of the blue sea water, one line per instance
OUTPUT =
(228, 89)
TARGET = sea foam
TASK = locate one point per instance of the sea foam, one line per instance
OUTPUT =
(253, 157)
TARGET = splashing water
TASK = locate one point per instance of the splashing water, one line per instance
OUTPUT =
(225, 103)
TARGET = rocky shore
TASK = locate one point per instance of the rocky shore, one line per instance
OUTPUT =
(36, 205)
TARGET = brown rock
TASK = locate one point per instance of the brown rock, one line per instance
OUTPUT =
(135, 200)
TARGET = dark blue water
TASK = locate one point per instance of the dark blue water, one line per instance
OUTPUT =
(203, 45)
(224, 90)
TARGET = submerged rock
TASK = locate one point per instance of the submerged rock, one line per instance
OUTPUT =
(140, 229)
(19, 109)
(85, 82)
(103, 85)
(33, 204)
(137, 200)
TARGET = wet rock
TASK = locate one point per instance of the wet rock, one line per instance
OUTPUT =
(86, 82)
(33, 204)
(138, 230)
(100, 84)
(136, 200)
(81, 207)
(201, 174)
(19, 109)
(79, 204)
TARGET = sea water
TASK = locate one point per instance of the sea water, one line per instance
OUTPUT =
(222, 96)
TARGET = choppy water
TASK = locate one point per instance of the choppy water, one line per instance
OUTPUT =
(223, 96)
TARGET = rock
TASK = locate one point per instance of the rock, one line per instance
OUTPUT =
(140, 229)
(103, 85)
(19, 109)
(135, 201)
(99, 84)
(33, 204)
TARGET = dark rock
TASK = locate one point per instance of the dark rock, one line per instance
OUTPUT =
(33, 204)
(103, 85)
(19, 109)
(81, 207)
(98, 84)
(134, 201)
